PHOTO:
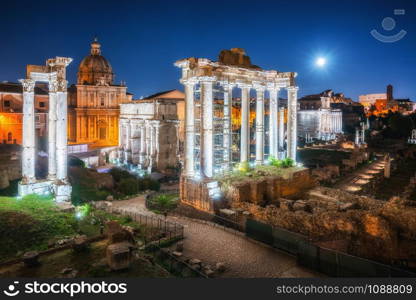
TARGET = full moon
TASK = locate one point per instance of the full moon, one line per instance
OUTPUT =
(320, 62)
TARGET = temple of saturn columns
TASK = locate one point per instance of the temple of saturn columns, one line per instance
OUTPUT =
(53, 73)
(209, 88)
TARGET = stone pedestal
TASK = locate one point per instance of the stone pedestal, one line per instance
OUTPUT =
(119, 256)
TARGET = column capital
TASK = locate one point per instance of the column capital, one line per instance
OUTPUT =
(258, 86)
(227, 85)
(53, 86)
(292, 88)
(62, 85)
(244, 86)
(207, 79)
(189, 82)
(273, 88)
(28, 85)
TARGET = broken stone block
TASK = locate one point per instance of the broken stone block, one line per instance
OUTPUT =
(176, 254)
(299, 205)
(286, 204)
(80, 243)
(69, 273)
(347, 206)
(179, 247)
(118, 256)
(30, 259)
(109, 198)
(220, 267)
(208, 272)
(117, 234)
(194, 261)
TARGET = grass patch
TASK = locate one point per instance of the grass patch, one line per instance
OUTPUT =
(29, 223)
(32, 222)
(163, 203)
(257, 172)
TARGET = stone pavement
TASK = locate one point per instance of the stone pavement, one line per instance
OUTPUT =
(243, 257)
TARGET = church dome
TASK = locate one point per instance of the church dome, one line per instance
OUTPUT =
(95, 68)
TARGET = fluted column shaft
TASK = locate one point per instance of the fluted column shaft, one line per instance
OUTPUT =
(281, 137)
(260, 126)
(245, 122)
(292, 122)
(189, 129)
(52, 130)
(273, 123)
(227, 132)
(61, 125)
(207, 150)
(29, 150)
(142, 142)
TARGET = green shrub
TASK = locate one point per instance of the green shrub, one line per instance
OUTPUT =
(287, 163)
(244, 167)
(275, 162)
(29, 223)
(75, 162)
(83, 194)
(147, 183)
(119, 174)
(163, 203)
(129, 186)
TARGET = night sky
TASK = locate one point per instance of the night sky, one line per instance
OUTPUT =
(142, 40)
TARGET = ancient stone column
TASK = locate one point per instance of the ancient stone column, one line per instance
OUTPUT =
(281, 136)
(357, 136)
(61, 130)
(142, 143)
(292, 122)
(363, 133)
(152, 140)
(151, 154)
(227, 132)
(127, 147)
(156, 154)
(189, 129)
(273, 122)
(121, 140)
(245, 124)
(29, 134)
(207, 150)
(53, 89)
(259, 125)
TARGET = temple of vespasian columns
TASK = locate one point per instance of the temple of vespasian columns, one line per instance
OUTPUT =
(208, 134)
(53, 73)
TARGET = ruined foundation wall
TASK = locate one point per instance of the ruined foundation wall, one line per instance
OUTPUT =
(268, 189)
(195, 194)
(374, 229)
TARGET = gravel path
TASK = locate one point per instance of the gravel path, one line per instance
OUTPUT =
(243, 257)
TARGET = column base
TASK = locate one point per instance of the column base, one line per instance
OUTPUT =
(202, 194)
(61, 190)
(281, 155)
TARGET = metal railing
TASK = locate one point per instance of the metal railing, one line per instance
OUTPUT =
(154, 228)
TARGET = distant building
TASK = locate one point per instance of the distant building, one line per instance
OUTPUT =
(381, 104)
(94, 101)
(317, 116)
(11, 116)
(370, 99)
(152, 131)
(93, 105)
